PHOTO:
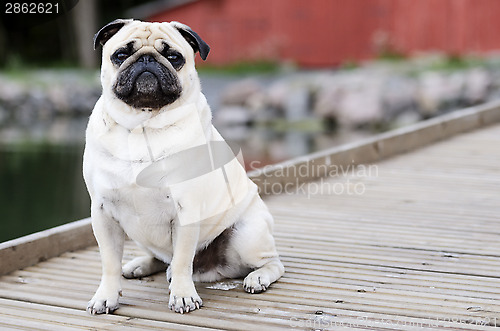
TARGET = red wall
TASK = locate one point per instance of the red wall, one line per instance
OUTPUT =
(317, 33)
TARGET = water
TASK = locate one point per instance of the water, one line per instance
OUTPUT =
(42, 187)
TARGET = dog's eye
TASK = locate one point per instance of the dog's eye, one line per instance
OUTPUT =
(123, 53)
(173, 57)
(176, 60)
(122, 56)
(119, 57)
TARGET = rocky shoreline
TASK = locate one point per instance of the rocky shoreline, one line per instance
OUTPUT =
(43, 95)
(376, 94)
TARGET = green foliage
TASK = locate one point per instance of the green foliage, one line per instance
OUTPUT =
(454, 62)
(389, 54)
(349, 65)
(241, 68)
(29, 75)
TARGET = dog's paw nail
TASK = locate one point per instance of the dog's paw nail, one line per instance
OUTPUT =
(255, 282)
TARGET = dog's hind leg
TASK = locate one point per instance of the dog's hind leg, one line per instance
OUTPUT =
(255, 245)
(143, 266)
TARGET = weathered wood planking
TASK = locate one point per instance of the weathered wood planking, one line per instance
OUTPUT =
(43, 245)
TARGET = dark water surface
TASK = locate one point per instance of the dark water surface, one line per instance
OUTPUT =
(41, 187)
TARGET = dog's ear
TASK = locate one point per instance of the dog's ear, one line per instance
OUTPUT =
(198, 44)
(108, 31)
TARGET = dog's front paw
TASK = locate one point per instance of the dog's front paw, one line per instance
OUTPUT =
(256, 282)
(184, 304)
(104, 302)
(184, 299)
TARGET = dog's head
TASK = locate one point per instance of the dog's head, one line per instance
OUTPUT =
(149, 65)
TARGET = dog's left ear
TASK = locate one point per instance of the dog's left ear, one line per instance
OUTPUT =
(108, 31)
(198, 44)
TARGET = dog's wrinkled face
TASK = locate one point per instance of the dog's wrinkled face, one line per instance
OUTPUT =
(148, 65)
(147, 80)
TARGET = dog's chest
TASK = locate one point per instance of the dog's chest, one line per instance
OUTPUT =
(145, 214)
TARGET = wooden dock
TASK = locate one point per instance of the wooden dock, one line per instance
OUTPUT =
(400, 232)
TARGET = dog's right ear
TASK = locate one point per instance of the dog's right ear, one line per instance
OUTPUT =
(108, 31)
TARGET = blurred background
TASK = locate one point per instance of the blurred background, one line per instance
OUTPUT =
(284, 78)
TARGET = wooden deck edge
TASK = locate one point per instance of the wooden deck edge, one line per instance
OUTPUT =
(25, 251)
(274, 178)
(31, 249)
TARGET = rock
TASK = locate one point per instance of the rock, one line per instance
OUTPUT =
(405, 118)
(477, 84)
(38, 97)
(398, 96)
(10, 90)
(431, 92)
(4, 116)
(232, 115)
(277, 94)
(240, 92)
(59, 97)
(296, 105)
(454, 89)
(360, 102)
(328, 97)
(82, 101)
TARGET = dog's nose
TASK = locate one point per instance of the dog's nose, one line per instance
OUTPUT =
(146, 58)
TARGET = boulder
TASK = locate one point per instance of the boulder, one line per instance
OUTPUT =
(240, 92)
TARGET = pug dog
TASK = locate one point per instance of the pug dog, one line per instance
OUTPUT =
(156, 172)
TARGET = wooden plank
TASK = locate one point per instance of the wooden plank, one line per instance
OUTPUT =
(300, 306)
(40, 246)
(32, 316)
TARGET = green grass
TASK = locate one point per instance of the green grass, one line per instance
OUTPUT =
(391, 55)
(43, 77)
(455, 62)
(240, 68)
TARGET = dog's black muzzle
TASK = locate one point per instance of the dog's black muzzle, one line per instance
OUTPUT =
(147, 83)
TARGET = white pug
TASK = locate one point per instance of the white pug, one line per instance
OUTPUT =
(158, 171)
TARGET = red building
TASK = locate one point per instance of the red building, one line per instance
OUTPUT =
(319, 33)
